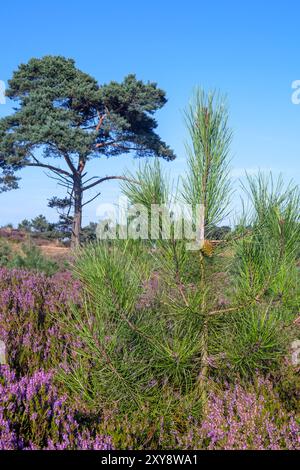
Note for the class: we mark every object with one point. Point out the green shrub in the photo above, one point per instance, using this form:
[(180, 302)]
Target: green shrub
[(253, 340), (5, 253), (155, 354), (33, 259)]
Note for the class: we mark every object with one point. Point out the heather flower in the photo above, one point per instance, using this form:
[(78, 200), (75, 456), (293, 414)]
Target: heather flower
[(236, 418), (242, 419), (33, 415), (31, 305)]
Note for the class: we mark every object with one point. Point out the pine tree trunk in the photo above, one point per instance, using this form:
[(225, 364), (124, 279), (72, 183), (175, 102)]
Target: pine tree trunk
[(204, 338), (77, 219)]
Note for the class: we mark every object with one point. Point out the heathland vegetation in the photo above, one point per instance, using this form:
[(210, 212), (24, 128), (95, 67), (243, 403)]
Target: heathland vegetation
[(143, 343)]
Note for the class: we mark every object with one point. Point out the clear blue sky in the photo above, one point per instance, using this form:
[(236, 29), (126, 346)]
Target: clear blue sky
[(249, 50)]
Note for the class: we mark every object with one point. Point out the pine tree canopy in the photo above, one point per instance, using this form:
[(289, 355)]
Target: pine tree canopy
[(63, 112)]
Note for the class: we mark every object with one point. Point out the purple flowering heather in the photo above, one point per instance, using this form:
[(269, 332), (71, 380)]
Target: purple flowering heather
[(237, 418), (30, 308), (34, 416)]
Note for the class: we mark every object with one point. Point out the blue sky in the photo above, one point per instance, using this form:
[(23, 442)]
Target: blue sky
[(248, 50)]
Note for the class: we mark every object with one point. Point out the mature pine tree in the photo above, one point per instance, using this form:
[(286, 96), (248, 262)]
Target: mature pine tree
[(64, 119)]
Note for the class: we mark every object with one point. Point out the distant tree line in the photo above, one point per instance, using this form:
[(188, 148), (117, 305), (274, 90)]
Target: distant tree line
[(60, 230)]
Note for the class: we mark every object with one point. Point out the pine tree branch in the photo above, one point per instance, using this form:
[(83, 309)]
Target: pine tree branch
[(107, 178), (91, 200), (50, 167)]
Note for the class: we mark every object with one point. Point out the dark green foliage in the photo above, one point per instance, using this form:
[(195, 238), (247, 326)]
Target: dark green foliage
[(40, 227), (130, 106), (25, 225), (59, 106), (220, 233), (5, 253), (40, 224), (287, 380), (8, 180), (88, 233), (65, 220), (61, 230)]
